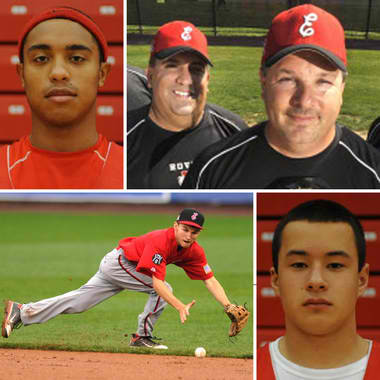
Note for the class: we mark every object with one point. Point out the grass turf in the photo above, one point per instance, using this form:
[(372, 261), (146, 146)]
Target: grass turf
[(48, 254), (234, 83)]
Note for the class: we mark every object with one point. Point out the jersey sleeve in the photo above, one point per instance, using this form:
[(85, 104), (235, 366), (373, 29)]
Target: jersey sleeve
[(197, 267), (152, 262)]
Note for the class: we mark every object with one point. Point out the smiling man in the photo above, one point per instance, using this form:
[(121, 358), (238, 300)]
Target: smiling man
[(162, 145), (63, 62), (137, 264), (319, 271), (303, 76)]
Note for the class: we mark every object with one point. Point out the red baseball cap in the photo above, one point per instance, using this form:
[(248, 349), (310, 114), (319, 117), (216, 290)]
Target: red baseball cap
[(191, 217), (65, 13), (305, 27), (178, 37)]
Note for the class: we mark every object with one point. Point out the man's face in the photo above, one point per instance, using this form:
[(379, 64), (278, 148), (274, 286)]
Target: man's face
[(318, 279), (303, 94), (61, 72), (179, 85), (185, 235)]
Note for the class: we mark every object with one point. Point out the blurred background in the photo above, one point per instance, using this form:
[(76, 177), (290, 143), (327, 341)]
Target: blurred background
[(247, 17)]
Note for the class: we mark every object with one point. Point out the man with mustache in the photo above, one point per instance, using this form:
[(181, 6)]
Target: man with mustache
[(162, 145), (303, 74), (319, 271), (63, 62)]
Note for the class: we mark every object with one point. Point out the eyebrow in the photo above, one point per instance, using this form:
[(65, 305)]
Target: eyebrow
[(72, 47), (178, 61), (296, 252), (294, 72)]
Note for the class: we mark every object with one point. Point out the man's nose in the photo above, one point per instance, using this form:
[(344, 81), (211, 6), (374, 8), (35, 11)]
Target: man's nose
[(59, 71)]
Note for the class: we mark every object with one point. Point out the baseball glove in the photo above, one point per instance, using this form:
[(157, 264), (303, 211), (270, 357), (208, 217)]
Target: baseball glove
[(239, 317)]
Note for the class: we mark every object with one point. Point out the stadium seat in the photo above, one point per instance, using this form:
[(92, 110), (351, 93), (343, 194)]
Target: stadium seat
[(107, 14), (16, 121), (11, 81), (280, 203), (265, 336), (265, 230)]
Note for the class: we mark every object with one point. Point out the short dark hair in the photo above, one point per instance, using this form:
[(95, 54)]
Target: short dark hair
[(320, 210)]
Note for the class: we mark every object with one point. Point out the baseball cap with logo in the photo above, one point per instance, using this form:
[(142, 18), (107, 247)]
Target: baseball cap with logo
[(191, 217), (179, 37), (305, 27)]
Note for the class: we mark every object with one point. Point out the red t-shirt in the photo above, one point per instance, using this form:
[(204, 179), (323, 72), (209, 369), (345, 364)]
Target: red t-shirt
[(265, 369), (156, 249), (23, 166)]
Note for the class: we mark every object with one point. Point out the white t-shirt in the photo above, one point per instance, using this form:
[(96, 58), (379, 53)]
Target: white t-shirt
[(286, 370)]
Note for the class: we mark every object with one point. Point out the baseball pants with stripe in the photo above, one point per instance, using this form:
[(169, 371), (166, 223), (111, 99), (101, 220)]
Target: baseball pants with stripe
[(115, 274)]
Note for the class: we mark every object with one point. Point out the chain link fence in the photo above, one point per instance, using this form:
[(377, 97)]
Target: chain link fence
[(357, 17)]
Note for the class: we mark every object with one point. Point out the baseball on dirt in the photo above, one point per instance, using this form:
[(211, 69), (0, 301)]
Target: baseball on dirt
[(200, 352)]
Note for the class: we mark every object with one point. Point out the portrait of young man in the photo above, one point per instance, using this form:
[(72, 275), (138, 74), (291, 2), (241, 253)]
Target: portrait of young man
[(62, 64), (319, 271)]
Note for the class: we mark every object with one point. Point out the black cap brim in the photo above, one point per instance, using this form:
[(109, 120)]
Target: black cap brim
[(170, 52), (294, 48)]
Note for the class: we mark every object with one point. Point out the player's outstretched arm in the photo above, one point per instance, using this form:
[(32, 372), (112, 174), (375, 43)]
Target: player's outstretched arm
[(214, 287), (163, 291)]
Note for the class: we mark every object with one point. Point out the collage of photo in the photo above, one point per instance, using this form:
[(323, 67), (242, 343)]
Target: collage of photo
[(238, 140)]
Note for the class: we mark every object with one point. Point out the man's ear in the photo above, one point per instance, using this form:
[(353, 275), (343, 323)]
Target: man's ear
[(20, 72), (274, 281), (104, 70), (363, 279)]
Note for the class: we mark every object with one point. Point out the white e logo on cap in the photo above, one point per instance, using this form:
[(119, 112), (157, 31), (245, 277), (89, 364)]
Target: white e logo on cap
[(186, 33), (309, 19)]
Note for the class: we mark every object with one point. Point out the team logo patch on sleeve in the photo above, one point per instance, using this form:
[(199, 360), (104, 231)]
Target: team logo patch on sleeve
[(157, 258), (207, 269)]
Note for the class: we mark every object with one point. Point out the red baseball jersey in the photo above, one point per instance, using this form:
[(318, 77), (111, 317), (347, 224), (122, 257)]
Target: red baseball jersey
[(265, 369), (22, 166), (156, 249)]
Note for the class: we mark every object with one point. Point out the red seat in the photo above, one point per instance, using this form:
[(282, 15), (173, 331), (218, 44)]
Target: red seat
[(265, 336), (11, 82), (270, 312), (15, 117), (108, 14), (269, 308), (277, 204), (265, 231)]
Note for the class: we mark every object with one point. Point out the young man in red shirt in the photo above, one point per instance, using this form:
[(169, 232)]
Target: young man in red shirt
[(319, 271), (63, 62), (139, 264)]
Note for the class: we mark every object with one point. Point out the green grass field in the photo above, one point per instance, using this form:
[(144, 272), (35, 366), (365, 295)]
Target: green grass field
[(234, 83), (47, 254)]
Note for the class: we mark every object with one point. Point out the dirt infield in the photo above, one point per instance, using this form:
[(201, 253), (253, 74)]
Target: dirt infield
[(63, 365)]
